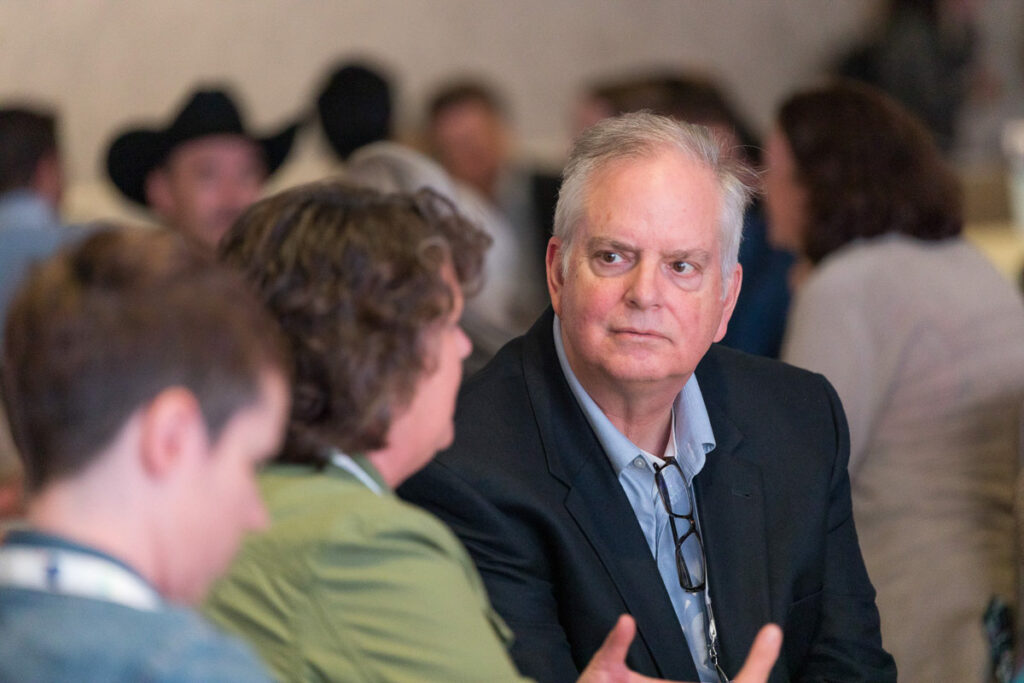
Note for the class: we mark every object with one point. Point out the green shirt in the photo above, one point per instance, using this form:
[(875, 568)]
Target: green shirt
[(353, 585)]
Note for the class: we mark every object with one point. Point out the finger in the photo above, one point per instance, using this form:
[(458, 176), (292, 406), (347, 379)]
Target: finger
[(762, 656), (616, 643)]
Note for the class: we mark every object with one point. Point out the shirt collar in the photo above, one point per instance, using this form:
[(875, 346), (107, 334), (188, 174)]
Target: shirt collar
[(360, 467), (694, 437), (31, 537)]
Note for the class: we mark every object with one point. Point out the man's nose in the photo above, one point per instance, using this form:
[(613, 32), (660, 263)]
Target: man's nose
[(238, 194), (644, 285)]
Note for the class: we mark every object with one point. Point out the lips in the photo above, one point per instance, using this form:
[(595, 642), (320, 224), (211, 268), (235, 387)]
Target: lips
[(638, 333)]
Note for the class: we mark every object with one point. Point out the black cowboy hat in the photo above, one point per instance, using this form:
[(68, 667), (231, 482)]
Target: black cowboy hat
[(354, 108), (136, 152)]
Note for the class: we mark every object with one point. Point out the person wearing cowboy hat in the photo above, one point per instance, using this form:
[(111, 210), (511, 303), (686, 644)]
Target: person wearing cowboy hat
[(198, 173)]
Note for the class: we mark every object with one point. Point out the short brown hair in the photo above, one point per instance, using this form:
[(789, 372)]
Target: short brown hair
[(461, 92), (869, 167), (102, 328), (27, 135), (354, 278)]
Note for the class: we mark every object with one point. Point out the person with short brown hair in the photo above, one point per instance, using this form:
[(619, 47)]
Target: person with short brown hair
[(31, 186), (469, 132), (144, 386)]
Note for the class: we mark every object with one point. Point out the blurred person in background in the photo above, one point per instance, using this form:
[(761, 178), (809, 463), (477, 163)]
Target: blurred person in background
[(922, 338), (925, 54), (354, 107), (145, 386), (198, 173), (31, 187), (470, 134), (496, 312)]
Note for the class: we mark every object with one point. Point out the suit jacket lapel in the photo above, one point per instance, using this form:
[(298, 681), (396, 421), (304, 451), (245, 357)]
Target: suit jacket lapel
[(731, 503), (599, 506)]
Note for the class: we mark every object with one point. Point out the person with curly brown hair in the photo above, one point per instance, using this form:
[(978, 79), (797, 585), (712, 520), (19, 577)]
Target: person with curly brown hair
[(922, 338), (350, 583)]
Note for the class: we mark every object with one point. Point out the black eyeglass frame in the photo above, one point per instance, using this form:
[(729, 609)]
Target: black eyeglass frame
[(685, 579)]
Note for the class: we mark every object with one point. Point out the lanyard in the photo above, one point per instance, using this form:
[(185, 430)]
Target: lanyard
[(710, 627), (70, 572), (346, 463), (711, 632)]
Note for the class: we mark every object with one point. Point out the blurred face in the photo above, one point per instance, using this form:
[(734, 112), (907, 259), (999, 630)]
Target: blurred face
[(426, 425), (469, 140), (222, 497), (206, 184), (641, 300), (785, 196), (48, 180)]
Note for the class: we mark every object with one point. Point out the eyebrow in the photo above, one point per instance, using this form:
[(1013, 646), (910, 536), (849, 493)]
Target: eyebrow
[(609, 243)]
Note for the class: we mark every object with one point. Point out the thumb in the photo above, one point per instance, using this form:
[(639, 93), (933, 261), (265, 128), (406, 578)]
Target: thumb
[(762, 656), (616, 643)]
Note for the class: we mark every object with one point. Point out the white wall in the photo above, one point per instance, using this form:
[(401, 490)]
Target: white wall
[(105, 63)]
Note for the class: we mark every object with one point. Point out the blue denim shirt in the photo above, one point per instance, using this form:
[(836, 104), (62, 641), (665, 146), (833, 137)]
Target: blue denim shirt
[(51, 637)]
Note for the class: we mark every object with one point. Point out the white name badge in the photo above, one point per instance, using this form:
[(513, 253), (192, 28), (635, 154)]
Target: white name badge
[(69, 572)]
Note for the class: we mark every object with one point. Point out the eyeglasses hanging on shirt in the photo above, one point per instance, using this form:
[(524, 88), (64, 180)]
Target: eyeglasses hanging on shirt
[(693, 574)]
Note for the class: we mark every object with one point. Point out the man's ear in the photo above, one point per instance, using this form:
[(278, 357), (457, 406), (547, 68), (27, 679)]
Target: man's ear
[(732, 292), (555, 272), (173, 431)]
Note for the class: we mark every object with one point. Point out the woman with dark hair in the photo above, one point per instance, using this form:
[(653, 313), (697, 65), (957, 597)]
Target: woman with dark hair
[(350, 583), (924, 342)]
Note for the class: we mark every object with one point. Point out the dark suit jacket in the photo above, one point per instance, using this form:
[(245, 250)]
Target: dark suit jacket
[(531, 493)]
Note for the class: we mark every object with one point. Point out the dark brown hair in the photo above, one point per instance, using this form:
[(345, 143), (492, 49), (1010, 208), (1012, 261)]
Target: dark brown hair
[(869, 168), (354, 278), (688, 96), (26, 137), (464, 92), (102, 328)]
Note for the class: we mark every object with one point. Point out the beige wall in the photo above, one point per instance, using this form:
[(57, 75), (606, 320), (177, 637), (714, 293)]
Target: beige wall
[(106, 62)]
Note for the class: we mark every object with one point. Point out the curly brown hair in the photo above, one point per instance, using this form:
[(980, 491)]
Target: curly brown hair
[(869, 168), (354, 278)]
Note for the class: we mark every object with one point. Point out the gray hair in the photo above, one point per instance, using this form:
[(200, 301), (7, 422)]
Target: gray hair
[(390, 167), (643, 135)]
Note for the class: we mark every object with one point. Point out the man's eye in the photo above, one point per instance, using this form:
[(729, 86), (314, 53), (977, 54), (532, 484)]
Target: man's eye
[(609, 257), (682, 267)]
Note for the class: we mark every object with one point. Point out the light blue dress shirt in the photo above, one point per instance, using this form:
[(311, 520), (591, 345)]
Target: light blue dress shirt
[(29, 232), (691, 439)]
